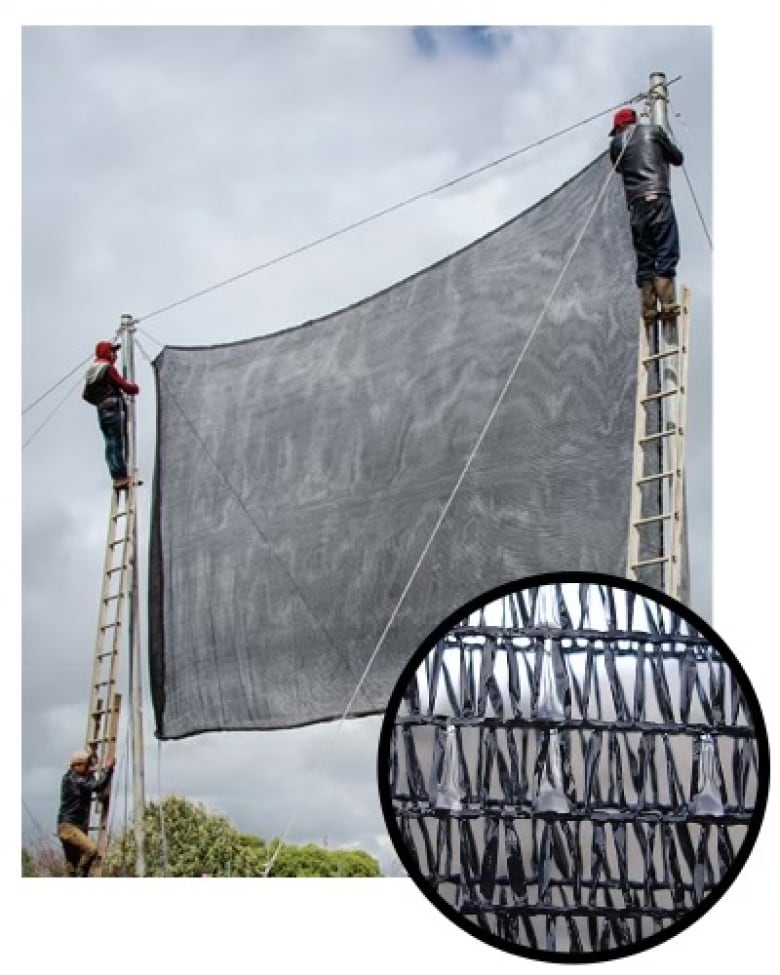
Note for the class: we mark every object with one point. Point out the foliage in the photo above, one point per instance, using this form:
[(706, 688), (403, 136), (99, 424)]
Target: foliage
[(43, 858), (29, 868), (200, 843), (315, 861)]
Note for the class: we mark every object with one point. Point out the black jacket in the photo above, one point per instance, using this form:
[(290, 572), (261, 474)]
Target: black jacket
[(644, 165), (76, 794)]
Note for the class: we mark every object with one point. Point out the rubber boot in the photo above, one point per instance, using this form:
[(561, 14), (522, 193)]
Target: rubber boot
[(665, 289), (649, 302)]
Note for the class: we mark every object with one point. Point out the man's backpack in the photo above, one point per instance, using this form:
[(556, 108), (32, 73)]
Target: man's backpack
[(97, 384)]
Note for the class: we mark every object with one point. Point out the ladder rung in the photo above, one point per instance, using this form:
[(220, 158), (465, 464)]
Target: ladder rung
[(101, 714), (111, 599), (108, 626), (655, 477), (661, 355), (654, 519), (655, 397), (659, 436), (658, 561)]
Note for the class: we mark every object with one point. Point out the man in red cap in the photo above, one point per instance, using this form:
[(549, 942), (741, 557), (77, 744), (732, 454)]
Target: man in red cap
[(642, 154), (103, 387)]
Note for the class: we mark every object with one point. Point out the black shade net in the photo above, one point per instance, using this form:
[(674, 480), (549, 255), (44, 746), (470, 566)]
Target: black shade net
[(300, 475), (573, 770)]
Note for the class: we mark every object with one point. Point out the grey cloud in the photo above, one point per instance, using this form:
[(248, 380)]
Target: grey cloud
[(160, 160)]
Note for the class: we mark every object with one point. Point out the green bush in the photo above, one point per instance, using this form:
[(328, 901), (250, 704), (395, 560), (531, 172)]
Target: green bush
[(200, 843)]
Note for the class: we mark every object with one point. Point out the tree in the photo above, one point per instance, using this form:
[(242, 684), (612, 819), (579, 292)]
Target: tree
[(356, 863), (315, 861), (197, 843)]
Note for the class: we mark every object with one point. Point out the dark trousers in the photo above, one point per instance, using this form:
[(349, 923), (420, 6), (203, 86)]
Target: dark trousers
[(113, 425), (656, 239)]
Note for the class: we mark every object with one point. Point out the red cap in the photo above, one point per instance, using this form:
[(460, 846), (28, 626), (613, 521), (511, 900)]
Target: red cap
[(105, 350), (623, 117)]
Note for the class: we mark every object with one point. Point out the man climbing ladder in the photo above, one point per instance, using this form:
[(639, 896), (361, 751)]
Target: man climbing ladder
[(79, 784), (103, 388), (642, 155)]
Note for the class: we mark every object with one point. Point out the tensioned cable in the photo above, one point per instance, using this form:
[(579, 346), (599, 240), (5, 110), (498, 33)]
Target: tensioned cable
[(455, 489), (149, 336), (163, 836), (696, 204), (51, 389), (59, 382), (247, 512), (359, 223), (126, 797), (693, 194), (392, 208), (37, 825), (117, 772), (61, 403), (56, 409)]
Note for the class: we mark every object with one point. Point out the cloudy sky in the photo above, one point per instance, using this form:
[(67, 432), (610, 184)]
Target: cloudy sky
[(158, 161)]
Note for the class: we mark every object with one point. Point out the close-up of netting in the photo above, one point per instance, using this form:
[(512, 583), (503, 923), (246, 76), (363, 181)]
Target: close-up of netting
[(573, 768)]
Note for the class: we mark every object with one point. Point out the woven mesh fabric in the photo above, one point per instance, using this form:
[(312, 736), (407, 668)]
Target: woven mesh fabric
[(573, 771), (299, 475)]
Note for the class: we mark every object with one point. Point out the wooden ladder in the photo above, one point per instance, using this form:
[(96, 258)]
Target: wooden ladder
[(656, 530), (104, 700)]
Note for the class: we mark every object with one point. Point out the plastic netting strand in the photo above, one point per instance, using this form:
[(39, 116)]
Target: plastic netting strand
[(575, 773)]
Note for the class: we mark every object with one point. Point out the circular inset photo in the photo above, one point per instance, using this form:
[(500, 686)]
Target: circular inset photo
[(573, 767)]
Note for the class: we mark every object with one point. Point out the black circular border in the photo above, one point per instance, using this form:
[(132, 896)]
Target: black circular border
[(616, 582)]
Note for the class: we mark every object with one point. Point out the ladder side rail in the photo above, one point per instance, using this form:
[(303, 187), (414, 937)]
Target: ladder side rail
[(105, 702), (102, 619), (656, 520), (124, 589), (668, 372), (638, 466), (678, 499), (104, 804), (101, 805), (109, 627)]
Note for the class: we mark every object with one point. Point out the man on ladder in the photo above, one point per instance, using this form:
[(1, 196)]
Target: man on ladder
[(642, 154), (78, 786), (103, 388)]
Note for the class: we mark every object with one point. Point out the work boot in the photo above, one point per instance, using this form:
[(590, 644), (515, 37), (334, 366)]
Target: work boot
[(649, 302), (86, 866), (665, 289)]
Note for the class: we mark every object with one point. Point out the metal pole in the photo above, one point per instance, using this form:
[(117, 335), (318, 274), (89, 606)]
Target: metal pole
[(136, 686), (658, 98)]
